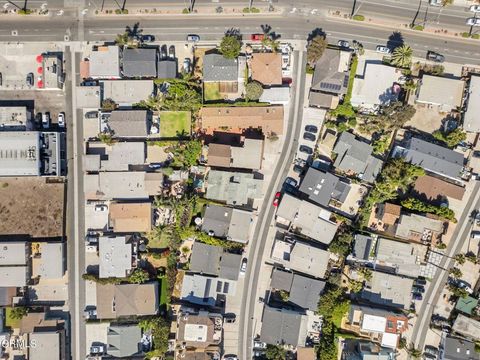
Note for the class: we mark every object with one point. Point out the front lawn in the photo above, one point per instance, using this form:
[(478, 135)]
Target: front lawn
[(211, 91), (9, 321), (175, 123)]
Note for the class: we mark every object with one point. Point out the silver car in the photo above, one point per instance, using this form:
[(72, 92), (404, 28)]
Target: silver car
[(383, 49)]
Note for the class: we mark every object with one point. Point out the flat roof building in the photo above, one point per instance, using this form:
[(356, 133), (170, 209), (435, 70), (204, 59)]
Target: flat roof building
[(446, 93), (14, 118), (20, 153), (116, 256), (247, 156), (388, 290), (468, 327), (104, 63), (126, 92), (229, 223), (50, 264), (119, 156), (280, 326), (131, 217), (471, 122)]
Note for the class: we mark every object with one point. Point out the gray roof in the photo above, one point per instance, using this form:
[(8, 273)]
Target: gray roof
[(230, 266), (327, 76), (115, 157), (47, 346), (233, 188), (388, 290), (51, 265), (116, 185), (139, 62), (129, 123), (126, 92), (459, 349), (205, 259), (355, 156), (321, 187), (362, 247), (13, 253), (305, 292), (217, 219), (471, 121), (281, 280), (468, 327), (217, 68), (105, 62), (13, 276), (204, 290), (443, 91), (123, 340), (281, 326), (433, 158), (405, 258), (167, 69), (240, 225), (115, 254), (19, 153)]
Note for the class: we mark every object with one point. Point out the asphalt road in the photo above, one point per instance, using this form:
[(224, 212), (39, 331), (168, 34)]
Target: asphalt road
[(460, 235), (250, 294)]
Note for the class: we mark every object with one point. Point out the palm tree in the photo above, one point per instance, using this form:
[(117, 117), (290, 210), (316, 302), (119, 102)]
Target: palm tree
[(402, 56)]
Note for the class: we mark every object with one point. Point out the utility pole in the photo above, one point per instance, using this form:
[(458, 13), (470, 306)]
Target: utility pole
[(412, 24), (18, 7)]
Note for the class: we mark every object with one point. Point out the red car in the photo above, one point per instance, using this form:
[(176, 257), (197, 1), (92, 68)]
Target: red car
[(257, 37), (276, 201)]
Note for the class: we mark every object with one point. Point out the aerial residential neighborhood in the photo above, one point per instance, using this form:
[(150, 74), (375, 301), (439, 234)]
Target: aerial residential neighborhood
[(240, 180)]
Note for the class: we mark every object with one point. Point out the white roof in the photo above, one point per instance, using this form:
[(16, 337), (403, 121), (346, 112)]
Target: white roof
[(116, 185), (196, 332), (127, 92), (51, 264), (13, 253), (105, 62), (47, 346), (471, 120), (390, 340), (374, 323), (442, 91), (275, 95), (115, 256), (20, 153), (13, 276)]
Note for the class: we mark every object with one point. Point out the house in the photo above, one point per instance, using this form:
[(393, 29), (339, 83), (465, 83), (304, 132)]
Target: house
[(281, 326), (116, 254), (421, 229), (471, 123), (227, 223), (119, 156), (15, 264), (303, 291), (139, 62), (49, 345), (212, 260), (15, 118), (167, 69), (266, 68), (432, 158), (276, 95), (300, 257), (466, 305), (233, 188), (388, 290), (446, 93), (247, 156), (362, 248), (125, 93), (354, 349), (206, 290), (131, 217), (381, 326), (199, 331), (48, 261), (104, 63), (459, 349), (377, 86), (268, 119), (119, 300), (124, 340), (307, 219), (129, 123), (354, 157), (434, 190), (216, 68), (322, 188), (330, 79), (467, 327), (385, 217)]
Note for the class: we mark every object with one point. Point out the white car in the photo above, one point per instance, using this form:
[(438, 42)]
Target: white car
[(473, 21), (343, 44), (243, 268), (61, 119), (100, 208), (382, 49), (475, 8), (435, 2)]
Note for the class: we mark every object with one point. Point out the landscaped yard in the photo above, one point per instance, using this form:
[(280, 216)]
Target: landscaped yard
[(163, 290), (175, 123), (9, 322), (211, 91)]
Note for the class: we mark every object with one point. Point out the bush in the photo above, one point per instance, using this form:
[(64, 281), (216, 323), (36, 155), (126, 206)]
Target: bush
[(309, 70), (246, 10), (185, 11), (465, 35), (253, 90), (476, 36), (358, 17), (420, 206), (254, 10), (418, 28)]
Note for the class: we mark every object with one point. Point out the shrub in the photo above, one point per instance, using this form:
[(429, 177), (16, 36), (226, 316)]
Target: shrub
[(476, 36), (418, 27), (246, 10), (465, 34), (185, 11), (358, 17)]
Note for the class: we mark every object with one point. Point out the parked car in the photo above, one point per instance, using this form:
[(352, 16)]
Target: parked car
[(230, 357), (148, 38), (61, 119), (46, 120), (306, 149), (291, 181), (101, 208), (90, 313), (276, 200), (343, 44), (427, 356), (89, 83), (473, 21), (230, 317), (163, 52), (417, 296), (435, 2), (433, 56), (420, 281), (186, 65), (243, 267), (193, 38), (311, 128), (419, 289), (475, 8), (259, 345), (91, 114), (298, 169), (432, 350), (97, 349), (309, 136), (30, 79), (257, 37), (383, 49), (171, 52)]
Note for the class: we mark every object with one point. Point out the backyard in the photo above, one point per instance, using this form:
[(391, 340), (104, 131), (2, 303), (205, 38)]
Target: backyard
[(211, 91), (175, 123)]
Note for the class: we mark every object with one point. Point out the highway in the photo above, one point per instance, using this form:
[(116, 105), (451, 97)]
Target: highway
[(460, 235)]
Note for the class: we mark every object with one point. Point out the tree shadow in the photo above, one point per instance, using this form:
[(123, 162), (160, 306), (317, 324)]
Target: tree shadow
[(316, 32), (134, 31), (266, 29), (233, 32), (395, 40)]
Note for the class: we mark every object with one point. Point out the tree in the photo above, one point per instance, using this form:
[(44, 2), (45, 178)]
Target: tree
[(182, 96), (380, 145), (284, 295), (109, 105), (460, 258), (333, 305), (253, 90), (154, 102), (402, 56), (414, 352), (18, 312), (355, 286), (456, 273), (451, 139), (327, 347), (341, 243), (275, 352), (457, 292), (230, 46), (106, 138), (420, 206), (138, 276), (392, 117), (366, 273), (192, 152), (160, 329), (315, 49)]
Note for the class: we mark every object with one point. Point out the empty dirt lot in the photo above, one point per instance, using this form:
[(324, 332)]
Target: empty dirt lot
[(31, 206)]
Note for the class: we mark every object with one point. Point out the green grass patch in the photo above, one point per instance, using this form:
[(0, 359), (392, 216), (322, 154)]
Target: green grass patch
[(476, 36), (358, 17), (175, 123), (465, 34), (211, 91), (163, 291), (353, 71), (9, 322), (418, 28), (238, 103)]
